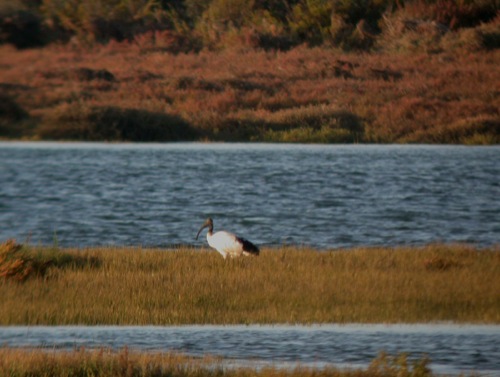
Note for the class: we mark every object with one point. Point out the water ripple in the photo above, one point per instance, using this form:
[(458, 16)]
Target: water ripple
[(322, 196), (452, 349)]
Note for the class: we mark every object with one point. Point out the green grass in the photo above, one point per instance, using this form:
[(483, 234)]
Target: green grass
[(137, 286)]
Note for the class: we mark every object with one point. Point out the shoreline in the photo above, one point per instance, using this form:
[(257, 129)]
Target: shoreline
[(360, 326), (279, 347)]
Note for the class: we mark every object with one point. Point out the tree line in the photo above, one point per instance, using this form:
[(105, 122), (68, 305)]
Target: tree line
[(190, 25)]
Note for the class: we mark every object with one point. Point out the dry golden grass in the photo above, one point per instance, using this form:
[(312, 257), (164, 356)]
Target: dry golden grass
[(19, 263), (252, 95), (103, 363), (284, 285)]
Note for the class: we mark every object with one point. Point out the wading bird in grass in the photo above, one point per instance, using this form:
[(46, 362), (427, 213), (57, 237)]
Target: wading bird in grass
[(227, 243)]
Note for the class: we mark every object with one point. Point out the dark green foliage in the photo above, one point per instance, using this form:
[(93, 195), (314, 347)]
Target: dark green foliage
[(10, 110), (317, 127), (20, 28), (87, 74), (275, 24), (14, 120), (79, 122), (490, 37), (103, 20), (453, 13), (311, 19)]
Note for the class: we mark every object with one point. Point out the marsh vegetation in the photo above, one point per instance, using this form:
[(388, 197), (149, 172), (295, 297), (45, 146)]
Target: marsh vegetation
[(230, 70), (137, 286), (306, 94), (104, 363)]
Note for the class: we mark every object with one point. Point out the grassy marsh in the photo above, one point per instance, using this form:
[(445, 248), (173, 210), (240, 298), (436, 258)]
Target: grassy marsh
[(138, 286), (103, 362)]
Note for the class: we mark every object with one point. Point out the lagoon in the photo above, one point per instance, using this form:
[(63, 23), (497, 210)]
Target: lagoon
[(324, 196)]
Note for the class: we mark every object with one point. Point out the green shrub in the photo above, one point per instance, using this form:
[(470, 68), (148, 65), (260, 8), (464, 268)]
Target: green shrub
[(453, 14), (314, 124), (102, 20), (79, 121), (227, 13), (228, 23), (310, 20), (194, 9), (434, 26), (482, 37), (10, 111), (14, 120), (345, 23), (481, 130), (490, 34), (323, 135), (274, 24)]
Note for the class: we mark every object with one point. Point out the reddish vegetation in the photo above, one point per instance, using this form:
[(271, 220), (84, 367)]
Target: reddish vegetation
[(125, 91)]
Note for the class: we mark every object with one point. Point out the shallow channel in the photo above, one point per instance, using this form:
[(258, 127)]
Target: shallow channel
[(452, 349)]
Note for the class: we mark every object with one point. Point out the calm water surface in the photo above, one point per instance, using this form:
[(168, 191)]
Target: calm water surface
[(321, 196), (451, 348)]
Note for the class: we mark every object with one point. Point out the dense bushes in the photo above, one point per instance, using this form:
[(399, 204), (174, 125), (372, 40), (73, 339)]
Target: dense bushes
[(79, 121), (14, 120), (305, 94), (215, 24), (21, 28), (168, 70)]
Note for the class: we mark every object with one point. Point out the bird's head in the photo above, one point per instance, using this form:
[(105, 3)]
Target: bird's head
[(207, 224)]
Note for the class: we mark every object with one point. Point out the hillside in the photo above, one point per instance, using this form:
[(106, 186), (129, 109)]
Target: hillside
[(279, 71)]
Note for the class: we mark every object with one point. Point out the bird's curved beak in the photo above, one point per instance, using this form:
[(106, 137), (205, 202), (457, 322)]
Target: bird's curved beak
[(205, 225)]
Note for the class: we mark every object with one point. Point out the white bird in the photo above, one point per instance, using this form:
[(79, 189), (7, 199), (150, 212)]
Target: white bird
[(227, 243)]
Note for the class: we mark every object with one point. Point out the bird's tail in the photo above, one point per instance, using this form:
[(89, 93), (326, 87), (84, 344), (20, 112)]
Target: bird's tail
[(248, 247)]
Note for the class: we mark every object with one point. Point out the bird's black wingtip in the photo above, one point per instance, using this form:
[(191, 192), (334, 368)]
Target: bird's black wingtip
[(248, 247)]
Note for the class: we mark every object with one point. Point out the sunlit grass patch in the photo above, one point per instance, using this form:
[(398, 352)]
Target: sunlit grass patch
[(101, 362), (137, 286)]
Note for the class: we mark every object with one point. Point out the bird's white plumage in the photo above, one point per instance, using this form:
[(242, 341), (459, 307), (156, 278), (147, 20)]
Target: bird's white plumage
[(225, 243)]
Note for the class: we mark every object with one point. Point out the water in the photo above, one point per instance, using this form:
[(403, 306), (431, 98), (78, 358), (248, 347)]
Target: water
[(451, 348), (322, 196)]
